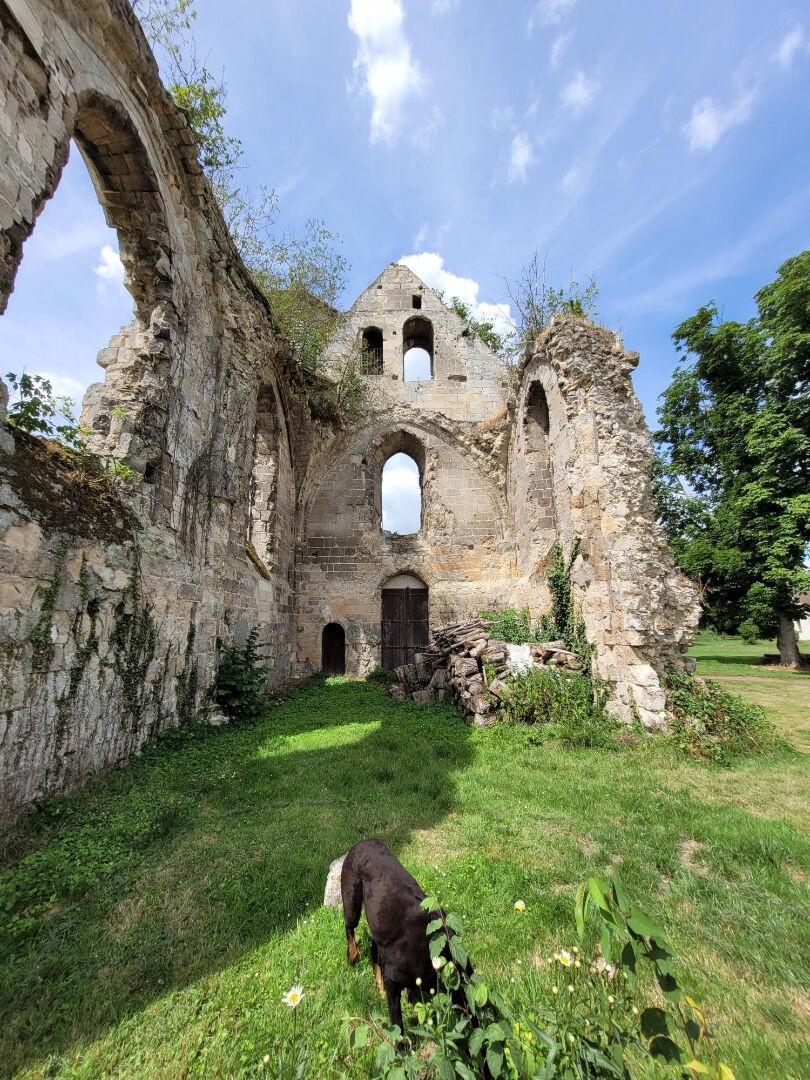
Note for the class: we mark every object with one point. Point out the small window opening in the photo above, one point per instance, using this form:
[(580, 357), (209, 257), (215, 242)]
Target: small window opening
[(401, 495), (416, 301), (417, 349), (371, 362)]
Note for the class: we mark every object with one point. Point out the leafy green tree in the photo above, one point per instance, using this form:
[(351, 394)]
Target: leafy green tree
[(735, 427), (481, 328)]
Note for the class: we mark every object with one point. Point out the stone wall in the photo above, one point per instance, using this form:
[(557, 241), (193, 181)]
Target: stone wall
[(639, 611), (454, 426), (178, 402)]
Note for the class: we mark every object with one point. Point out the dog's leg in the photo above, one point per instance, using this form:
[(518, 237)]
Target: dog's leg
[(351, 891), (375, 963), (393, 992)]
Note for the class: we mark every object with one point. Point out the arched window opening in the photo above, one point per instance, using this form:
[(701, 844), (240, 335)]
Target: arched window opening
[(371, 361), (401, 495), (405, 628), (417, 349), (536, 415), (333, 649), (70, 295), (537, 458)]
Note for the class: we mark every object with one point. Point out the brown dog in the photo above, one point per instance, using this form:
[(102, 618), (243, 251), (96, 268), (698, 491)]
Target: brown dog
[(372, 875)]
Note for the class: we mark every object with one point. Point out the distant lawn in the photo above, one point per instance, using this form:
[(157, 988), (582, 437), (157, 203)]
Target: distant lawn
[(718, 654), (739, 667), (154, 919)]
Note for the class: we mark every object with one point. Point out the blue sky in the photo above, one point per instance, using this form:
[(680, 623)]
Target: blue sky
[(663, 148)]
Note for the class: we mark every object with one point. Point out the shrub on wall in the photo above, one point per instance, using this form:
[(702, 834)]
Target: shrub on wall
[(239, 687)]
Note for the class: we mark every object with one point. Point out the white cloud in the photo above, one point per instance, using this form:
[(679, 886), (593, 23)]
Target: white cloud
[(549, 12), (578, 94), (791, 44), (709, 121), (383, 57), (401, 495), (558, 47), (110, 286), (429, 266), (521, 157), (574, 180)]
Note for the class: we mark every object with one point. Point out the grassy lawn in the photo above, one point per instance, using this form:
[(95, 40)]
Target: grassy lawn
[(152, 921)]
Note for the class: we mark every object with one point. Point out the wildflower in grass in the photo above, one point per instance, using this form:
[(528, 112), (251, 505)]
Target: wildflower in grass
[(293, 997), (570, 988), (554, 990), (438, 963), (418, 980), (611, 999), (565, 958), (519, 905)]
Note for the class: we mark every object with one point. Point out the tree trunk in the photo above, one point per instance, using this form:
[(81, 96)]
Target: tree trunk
[(789, 655)]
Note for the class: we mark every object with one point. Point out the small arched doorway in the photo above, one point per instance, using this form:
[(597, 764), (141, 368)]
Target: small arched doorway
[(405, 628), (333, 649)]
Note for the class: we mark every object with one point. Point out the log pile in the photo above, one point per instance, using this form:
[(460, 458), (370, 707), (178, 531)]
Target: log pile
[(463, 664)]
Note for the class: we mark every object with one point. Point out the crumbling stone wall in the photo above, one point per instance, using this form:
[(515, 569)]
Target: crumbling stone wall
[(453, 425), (178, 402), (639, 611)]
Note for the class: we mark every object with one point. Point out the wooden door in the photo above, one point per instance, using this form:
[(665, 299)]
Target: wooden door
[(405, 628), (333, 649)]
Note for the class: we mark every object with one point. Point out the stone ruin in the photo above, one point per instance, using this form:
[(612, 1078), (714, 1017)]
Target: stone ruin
[(246, 508), (462, 663)]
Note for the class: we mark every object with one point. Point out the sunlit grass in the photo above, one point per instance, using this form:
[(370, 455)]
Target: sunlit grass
[(171, 903)]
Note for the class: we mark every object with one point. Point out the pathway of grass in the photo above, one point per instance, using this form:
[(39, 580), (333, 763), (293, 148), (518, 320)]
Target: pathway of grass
[(154, 919)]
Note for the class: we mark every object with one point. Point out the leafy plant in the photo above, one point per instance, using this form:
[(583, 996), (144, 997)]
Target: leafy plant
[(381, 676), (713, 724), (569, 624), (241, 679), (563, 705), (40, 412), (510, 624), (537, 302), (586, 1023)]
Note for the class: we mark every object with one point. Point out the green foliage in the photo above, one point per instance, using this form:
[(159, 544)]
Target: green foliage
[(510, 624), (563, 705), (481, 328), (569, 624), (735, 439), (713, 724), (537, 302), (241, 680), (380, 676), (39, 412), (585, 1024)]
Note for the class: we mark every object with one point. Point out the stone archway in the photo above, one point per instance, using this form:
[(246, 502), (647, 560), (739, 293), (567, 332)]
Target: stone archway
[(405, 627)]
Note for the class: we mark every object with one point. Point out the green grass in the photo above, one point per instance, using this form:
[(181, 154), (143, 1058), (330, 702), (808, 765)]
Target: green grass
[(161, 912)]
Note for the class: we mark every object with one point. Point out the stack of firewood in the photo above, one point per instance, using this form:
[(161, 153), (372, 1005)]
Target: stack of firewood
[(463, 664)]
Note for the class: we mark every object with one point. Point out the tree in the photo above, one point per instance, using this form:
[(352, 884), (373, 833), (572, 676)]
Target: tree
[(536, 301), (302, 274), (735, 427)]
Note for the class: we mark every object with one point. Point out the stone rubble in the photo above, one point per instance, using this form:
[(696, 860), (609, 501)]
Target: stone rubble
[(463, 664)]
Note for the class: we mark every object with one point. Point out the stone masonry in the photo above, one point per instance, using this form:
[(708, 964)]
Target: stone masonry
[(244, 510)]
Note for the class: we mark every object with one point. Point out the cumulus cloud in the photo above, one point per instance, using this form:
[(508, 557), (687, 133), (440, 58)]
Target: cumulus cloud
[(110, 273), (710, 121), (578, 94), (549, 12), (429, 266), (791, 44), (384, 63), (521, 157)]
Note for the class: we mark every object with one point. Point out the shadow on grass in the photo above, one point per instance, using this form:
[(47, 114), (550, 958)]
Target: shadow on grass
[(180, 863)]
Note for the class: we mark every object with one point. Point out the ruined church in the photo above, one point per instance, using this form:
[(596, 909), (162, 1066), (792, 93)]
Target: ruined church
[(246, 507)]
